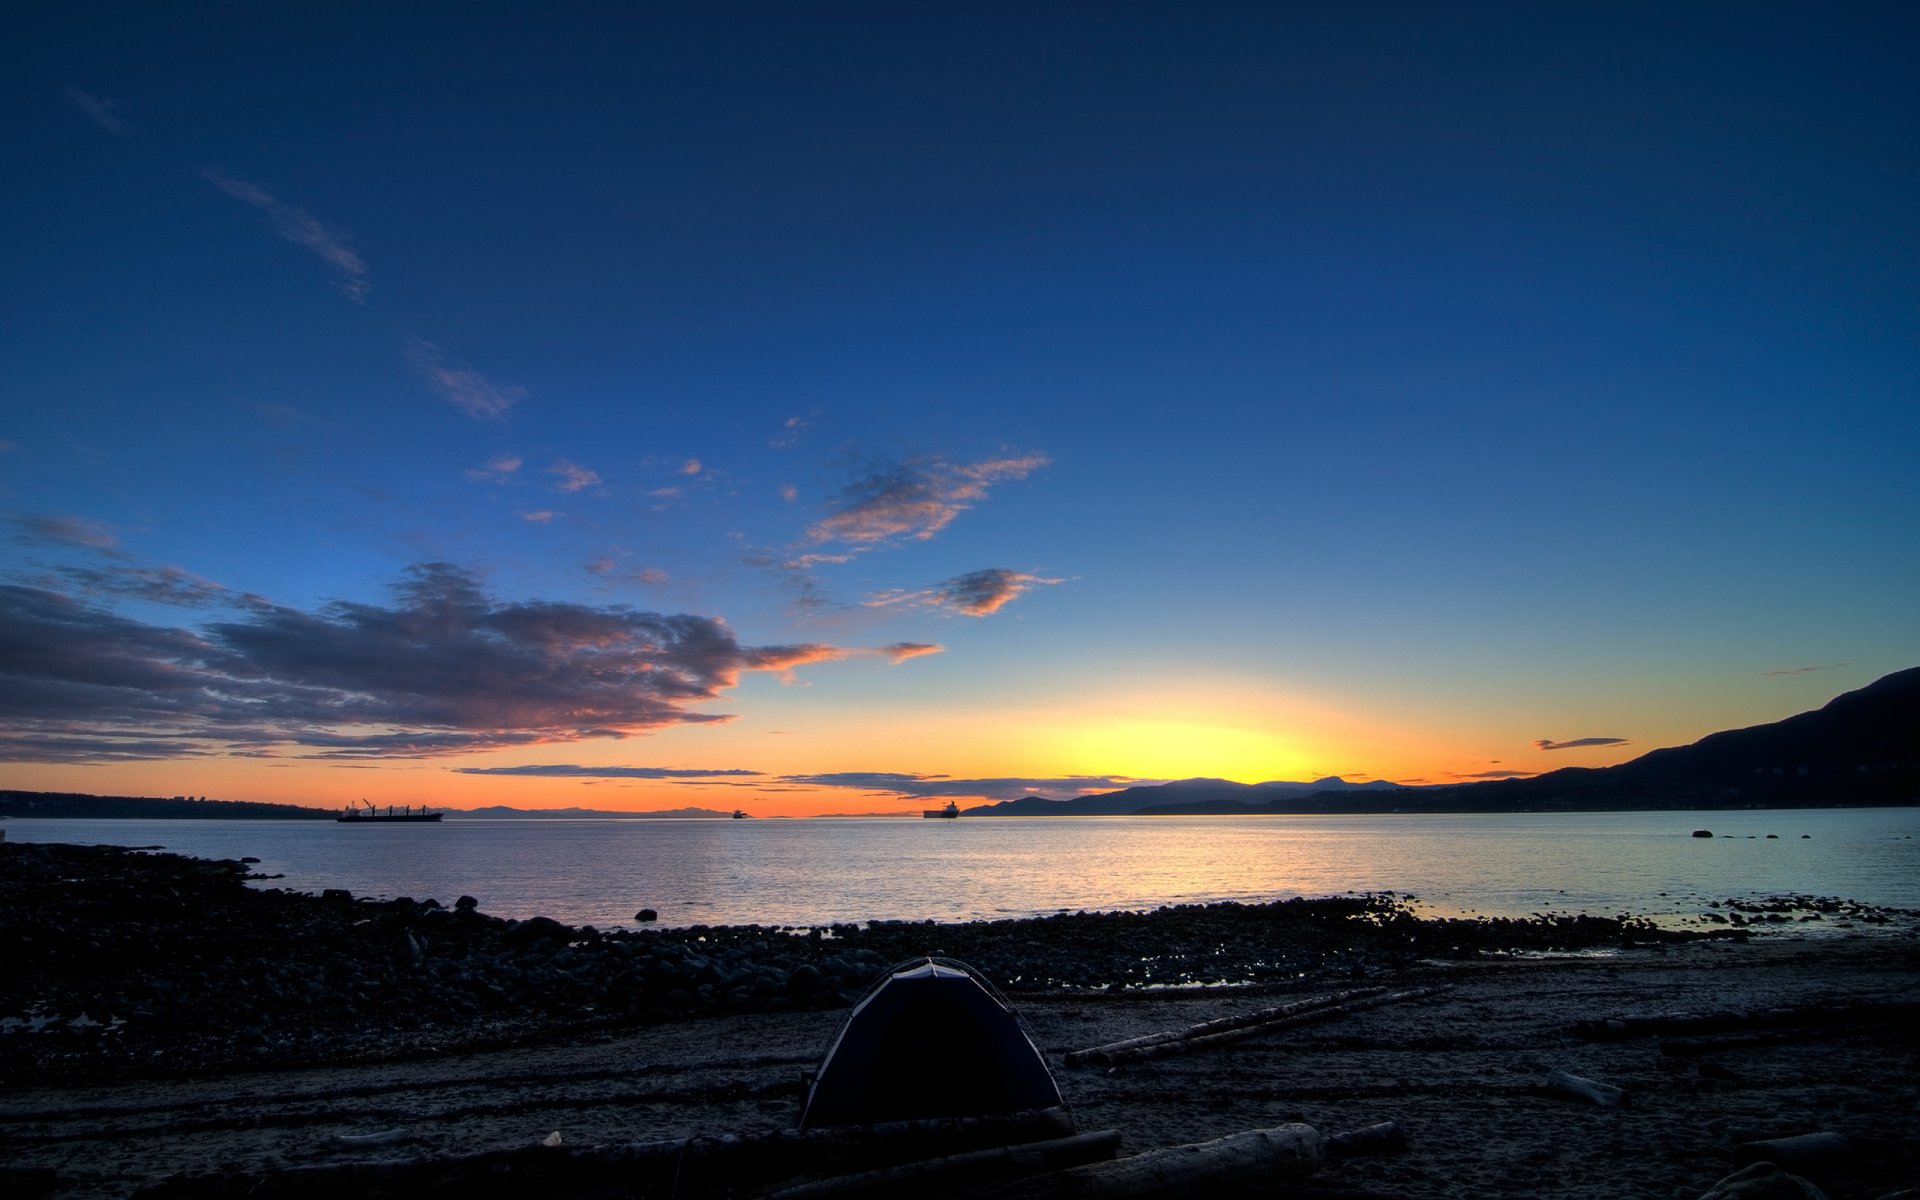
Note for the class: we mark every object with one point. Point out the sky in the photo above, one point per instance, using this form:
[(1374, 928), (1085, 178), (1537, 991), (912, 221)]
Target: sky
[(828, 408)]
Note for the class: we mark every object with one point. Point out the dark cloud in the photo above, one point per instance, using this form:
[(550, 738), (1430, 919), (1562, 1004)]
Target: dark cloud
[(976, 594), (568, 771), (926, 786), (1577, 743), (1803, 670), (1491, 775), (442, 670)]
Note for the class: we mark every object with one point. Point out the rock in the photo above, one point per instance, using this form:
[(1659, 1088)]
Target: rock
[(645, 915), (1703, 833), (340, 894), (1763, 1181), (465, 904)]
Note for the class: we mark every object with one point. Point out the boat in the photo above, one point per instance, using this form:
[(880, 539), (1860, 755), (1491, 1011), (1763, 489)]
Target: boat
[(951, 810), (374, 816), (930, 1039), (739, 814)]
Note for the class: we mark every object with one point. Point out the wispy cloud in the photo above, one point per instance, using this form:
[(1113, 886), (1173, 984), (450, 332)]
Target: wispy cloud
[(611, 568), (900, 652), (573, 477), (914, 499), (1577, 743), (975, 594), (302, 228), (61, 530), (907, 785), (569, 771), (691, 467), (792, 430), (1803, 670), (497, 470), (156, 585), (109, 115), (538, 516), (1501, 774), (444, 669), (463, 387)]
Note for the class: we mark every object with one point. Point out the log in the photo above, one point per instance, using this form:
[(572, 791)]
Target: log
[(1807, 1150), (1384, 1138), (1098, 1055), (1208, 1040), (1604, 1094), (974, 1170), (1258, 1156)]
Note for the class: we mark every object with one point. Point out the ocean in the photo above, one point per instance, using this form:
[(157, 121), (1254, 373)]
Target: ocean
[(816, 872)]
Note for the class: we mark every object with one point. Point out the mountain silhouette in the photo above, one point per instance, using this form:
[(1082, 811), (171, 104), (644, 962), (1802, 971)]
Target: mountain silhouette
[(1861, 748)]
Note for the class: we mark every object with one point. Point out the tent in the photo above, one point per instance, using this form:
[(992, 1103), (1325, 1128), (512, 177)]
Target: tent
[(929, 1039)]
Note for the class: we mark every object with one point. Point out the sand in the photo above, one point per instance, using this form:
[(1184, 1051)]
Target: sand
[(1462, 1073)]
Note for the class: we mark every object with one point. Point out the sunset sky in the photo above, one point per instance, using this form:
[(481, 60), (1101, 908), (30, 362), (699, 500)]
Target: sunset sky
[(822, 408)]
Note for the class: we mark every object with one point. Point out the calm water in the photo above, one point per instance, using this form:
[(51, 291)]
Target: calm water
[(814, 872)]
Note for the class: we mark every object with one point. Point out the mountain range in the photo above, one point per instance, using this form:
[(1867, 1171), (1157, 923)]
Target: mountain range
[(1860, 749)]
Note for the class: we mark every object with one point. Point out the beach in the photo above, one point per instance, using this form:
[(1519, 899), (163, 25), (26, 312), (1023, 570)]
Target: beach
[(455, 1034)]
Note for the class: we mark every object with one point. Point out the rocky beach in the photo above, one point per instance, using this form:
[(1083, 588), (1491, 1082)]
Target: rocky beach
[(167, 1017)]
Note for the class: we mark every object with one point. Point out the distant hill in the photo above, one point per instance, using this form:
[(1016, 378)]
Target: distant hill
[(1185, 796), (1861, 749), (72, 805)]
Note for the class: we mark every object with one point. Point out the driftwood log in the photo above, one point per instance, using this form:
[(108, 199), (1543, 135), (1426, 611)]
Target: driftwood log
[(1604, 1094), (731, 1163), (1098, 1055), (1258, 1156), (1186, 1040), (974, 1171), (1808, 1150)]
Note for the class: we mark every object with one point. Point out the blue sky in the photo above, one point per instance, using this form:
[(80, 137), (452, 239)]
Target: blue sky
[(1255, 391)]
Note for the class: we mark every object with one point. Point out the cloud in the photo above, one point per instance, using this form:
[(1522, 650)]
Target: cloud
[(498, 469), (1492, 775), (914, 499), (900, 652), (1803, 670), (60, 530), (791, 431), (976, 594), (466, 389), (109, 115), (573, 476), (927, 786), (1577, 743), (690, 467), (443, 669), (789, 493), (539, 516), (302, 228), (608, 567), (156, 585), (563, 771)]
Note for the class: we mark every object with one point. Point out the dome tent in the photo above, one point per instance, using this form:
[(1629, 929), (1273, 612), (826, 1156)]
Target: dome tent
[(929, 1039)]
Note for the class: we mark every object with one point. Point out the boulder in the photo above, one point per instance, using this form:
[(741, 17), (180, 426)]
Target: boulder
[(1763, 1181)]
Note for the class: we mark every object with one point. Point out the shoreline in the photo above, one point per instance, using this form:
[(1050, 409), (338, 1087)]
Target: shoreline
[(264, 1027)]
